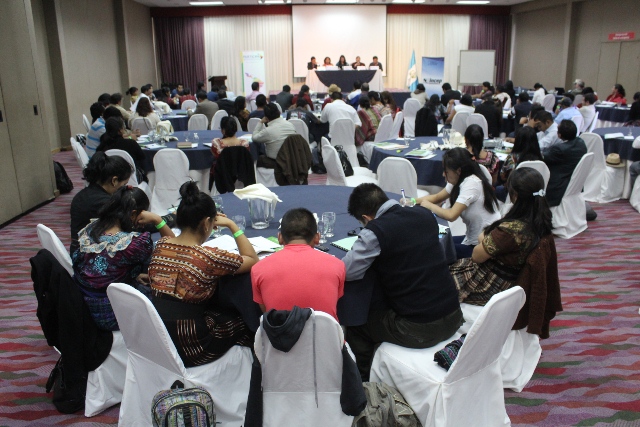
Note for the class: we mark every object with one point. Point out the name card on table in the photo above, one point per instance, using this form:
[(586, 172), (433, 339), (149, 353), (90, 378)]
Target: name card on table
[(613, 135)]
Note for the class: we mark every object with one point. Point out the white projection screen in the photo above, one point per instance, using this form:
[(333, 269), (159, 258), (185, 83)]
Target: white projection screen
[(334, 30)]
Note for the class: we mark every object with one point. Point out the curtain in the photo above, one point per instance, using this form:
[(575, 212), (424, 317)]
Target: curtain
[(492, 32), (180, 49), (226, 37), (429, 35)]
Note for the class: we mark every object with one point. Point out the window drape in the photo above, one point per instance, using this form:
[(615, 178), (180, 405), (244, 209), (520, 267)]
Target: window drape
[(492, 32)]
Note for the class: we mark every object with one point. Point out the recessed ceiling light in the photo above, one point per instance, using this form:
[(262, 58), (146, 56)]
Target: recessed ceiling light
[(407, 1), (273, 2), (473, 2), (206, 3), (343, 1)]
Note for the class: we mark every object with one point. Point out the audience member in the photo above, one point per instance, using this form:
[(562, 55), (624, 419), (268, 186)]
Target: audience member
[(146, 91), (522, 108), (588, 110), (164, 102), (104, 99), (470, 196), (448, 94), (200, 86), (276, 280), (299, 110), (205, 107), (338, 109), (525, 149), (110, 251), (539, 94), (501, 95), (177, 91), (617, 95), (566, 110), (241, 112), (332, 88), (376, 103), (420, 94), (186, 96), (634, 112), (400, 250), (285, 98), (547, 129), (255, 86), (486, 89), (96, 130), (261, 101), (474, 140), (465, 105), (229, 128), (426, 119), (492, 113), (184, 277), (376, 63), (313, 64), (562, 160), (390, 106), (114, 138), (133, 93), (357, 63), (504, 246), (370, 119), (272, 131), (438, 109), (342, 62), (116, 101), (224, 103), (357, 90), (212, 95), (145, 110), (304, 93), (578, 87), (508, 88)]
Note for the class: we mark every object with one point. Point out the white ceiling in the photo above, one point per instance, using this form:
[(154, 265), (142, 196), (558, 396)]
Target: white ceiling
[(185, 3)]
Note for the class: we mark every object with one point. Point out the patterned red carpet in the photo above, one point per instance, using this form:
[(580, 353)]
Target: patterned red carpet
[(589, 373)]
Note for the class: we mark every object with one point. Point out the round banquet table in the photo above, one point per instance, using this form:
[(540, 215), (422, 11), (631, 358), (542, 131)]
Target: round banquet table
[(178, 118), (429, 171), (609, 116), (622, 146), (353, 307)]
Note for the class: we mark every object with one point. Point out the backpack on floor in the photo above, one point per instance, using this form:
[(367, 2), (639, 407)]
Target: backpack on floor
[(63, 182), (385, 408), (183, 407)]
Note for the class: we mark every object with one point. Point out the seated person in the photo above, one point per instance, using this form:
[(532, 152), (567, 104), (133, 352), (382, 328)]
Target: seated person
[(133, 93), (114, 138), (469, 195), (206, 107), (566, 110), (186, 96), (578, 87), (312, 64), (342, 62), (111, 252), (474, 139), (617, 95), (526, 121), (525, 149), (426, 119), (375, 63), (276, 280), (241, 112), (492, 113), (284, 98), (116, 101), (357, 63), (400, 247), (522, 108), (184, 277), (539, 94), (370, 119), (338, 109), (224, 103), (258, 113), (255, 86), (486, 89), (327, 62), (501, 96), (145, 110), (104, 175), (547, 129), (420, 94), (304, 93), (357, 90), (588, 110), (229, 128), (562, 160), (271, 131), (178, 91), (97, 128), (634, 111), (465, 105), (438, 109), (448, 94), (504, 246), (389, 103), (212, 95), (301, 109)]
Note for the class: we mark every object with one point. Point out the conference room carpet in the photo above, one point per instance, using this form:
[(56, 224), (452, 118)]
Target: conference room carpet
[(589, 373)]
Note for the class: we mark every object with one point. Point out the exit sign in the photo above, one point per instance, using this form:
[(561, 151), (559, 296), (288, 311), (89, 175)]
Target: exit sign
[(616, 37)]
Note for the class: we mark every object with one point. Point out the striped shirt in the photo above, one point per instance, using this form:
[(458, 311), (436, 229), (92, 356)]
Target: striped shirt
[(93, 137)]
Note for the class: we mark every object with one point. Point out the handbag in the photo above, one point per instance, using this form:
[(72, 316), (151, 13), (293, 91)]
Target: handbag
[(67, 398), (344, 161)]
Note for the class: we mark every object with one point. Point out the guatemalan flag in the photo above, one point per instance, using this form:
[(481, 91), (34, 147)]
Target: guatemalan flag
[(412, 73)]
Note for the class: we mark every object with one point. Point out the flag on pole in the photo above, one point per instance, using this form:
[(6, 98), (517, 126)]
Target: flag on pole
[(412, 73)]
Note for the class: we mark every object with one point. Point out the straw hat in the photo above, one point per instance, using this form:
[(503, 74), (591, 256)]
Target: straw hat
[(614, 161), (334, 88)]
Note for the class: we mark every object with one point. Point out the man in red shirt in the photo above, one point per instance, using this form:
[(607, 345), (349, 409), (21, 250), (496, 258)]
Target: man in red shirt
[(298, 274)]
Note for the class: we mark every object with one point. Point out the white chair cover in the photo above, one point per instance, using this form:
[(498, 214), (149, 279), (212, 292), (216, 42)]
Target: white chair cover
[(635, 196), (538, 165), (410, 109), (578, 100), (266, 177), (592, 126), (520, 353), (81, 155), (335, 174), (106, 384), (343, 133), (612, 184), (579, 122), (143, 124), (569, 217), (470, 393), (288, 389), (50, 241), (238, 125), (215, 121), (86, 123), (459, 122), (384, 129), (396, 173), (189, 104), (252, 123), (477, 119), (154, 364), (252, 105), (397, 124), (133, 181), (198, 122), (593, 185), (172, 170), (548, 101), (507, 104), (301, 128)]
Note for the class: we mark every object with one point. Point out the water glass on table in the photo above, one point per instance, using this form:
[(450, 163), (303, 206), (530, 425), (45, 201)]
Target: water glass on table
[(322, 230), (218, 201), (240, 221), (329, 218)]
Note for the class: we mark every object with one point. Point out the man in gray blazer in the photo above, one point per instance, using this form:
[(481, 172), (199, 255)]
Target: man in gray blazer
[(204, 106)]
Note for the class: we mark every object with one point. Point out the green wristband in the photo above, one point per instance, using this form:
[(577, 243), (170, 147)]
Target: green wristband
[(162, 224), (238, 234), (413, 200)]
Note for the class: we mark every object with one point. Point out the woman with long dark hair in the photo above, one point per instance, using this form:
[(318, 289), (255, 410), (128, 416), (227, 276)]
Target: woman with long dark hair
[(241, 112), (504, 246), (184, 277), (474, 139), (469, 195), (110, 251), (525, 149), (145, 109), (114, 138)]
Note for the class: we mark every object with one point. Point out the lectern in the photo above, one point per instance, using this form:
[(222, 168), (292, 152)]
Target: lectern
[(217, 80)]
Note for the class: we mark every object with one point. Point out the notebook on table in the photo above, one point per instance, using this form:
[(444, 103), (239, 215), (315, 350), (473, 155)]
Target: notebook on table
[(345, 244)]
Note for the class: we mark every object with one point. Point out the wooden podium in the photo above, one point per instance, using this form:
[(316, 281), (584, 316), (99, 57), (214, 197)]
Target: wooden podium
[(217, 80)]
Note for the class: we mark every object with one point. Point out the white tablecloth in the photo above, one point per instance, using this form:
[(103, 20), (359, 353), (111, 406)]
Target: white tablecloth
[(316, 85)]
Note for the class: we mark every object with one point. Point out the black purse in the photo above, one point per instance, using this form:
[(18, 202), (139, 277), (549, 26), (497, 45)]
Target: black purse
[(67, 398), (344, 161)]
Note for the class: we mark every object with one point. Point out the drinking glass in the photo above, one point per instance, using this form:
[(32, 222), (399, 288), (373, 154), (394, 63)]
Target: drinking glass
[(407, 202), (240, 221), (218, 201), (630, 131), (445, 136), (322, 230), (329, 218), (187, 137)]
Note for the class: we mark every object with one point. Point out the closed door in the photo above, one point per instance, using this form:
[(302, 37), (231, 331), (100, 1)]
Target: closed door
[(9, 196), (607, 68), (628, 70)]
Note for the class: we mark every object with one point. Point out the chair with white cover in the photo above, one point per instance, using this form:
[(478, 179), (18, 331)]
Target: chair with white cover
[(548, 101), (570, 216), (142, 124), (593, 184), (410, 109), (397, 124), (579, 122), (459, 122), (215, 121), (301, 128), (238, 125), (335, 173), (189, 104), (343, 133), (133, 180), (279, 107), (266, 177), (80, 153), (592, 126), (477, 119), (538, 165), (172, 170), (384, 129), (252, 124), (471, 392), (396, 173), (634, 199), (577, 100), (154, 364), (198, 122), (292, 380), (613, 182), (86, 123), (50, 241), (252, 105)]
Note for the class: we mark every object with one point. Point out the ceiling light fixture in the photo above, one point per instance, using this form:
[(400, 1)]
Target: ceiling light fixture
[(343, 1), (473, 2), (206, 3), (407, 1), (273, 2)]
